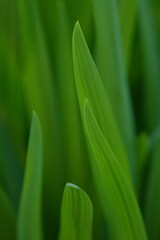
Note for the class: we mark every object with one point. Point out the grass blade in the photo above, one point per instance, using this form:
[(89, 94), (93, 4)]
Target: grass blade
[(128, 11), (73, 146), (37, 74), (89, 85), (110, 63), (29, 216), (76, 214), (117, 197)]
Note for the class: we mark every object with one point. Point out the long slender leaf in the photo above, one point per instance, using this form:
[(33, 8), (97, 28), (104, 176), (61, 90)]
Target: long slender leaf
[(110, 63), (38, 79), (117, 197), (89, 85), (76, 214), (73, 140), (29, 216)]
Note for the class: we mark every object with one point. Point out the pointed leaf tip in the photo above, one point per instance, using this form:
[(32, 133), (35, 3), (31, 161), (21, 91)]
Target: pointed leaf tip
[(29, 215), (76, 214)]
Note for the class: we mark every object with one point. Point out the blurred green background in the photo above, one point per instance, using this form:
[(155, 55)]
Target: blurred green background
[(36, 73)]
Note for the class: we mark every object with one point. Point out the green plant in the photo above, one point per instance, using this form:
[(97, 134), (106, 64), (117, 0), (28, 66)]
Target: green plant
[(94, 103)]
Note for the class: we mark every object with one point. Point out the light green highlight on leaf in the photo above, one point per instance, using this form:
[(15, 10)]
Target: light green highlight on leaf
[(76, 214)]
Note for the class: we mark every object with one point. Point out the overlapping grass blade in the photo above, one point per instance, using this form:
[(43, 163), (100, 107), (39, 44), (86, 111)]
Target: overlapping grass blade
[(110, 63), (117, 197), (152, 199), (29, 216), (151, 70), (76, 214), (89, 85), (7, 218)]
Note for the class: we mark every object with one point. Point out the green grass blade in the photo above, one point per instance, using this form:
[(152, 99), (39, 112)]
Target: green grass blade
[(151, 70), (76, 214), (37, 75), (128, 11), (117, 197), (110, 63), (89, 85), (29, 216), (7, 218), (73, 140), (152, 200)]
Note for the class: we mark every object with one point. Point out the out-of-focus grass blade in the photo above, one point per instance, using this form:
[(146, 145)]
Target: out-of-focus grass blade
[(37, 75), (152, 203), (151, 69), (89, 85), (143, 146), (128, 11), (29, 216), (76, 214), (11, 168), (117, 197), (73, 138), (110, 63), (10, 86), (7, 218)]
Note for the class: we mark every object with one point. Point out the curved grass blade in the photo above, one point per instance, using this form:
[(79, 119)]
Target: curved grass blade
[(115, 192), (152, 204), (110, 63), (76, 214), (7, 218), (29, 216), (89, 85)]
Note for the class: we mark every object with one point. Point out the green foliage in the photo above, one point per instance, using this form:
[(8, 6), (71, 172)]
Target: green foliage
[(29, 214), (76, 214), (89, 85), (95, 88), (118, 197)]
